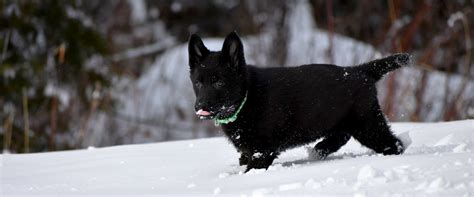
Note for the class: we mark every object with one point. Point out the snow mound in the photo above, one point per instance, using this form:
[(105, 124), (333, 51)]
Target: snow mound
[(438, 162), (405, 138)]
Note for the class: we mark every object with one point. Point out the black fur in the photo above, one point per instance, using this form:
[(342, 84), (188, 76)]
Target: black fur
[(289, 107)]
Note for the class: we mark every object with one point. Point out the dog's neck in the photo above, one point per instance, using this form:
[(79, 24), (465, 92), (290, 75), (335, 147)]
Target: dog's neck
[(232, 118)]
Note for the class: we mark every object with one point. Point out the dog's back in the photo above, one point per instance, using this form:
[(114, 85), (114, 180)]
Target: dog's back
[(301, 104)]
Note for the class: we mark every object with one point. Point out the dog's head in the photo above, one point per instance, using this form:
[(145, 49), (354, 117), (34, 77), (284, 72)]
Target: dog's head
[(218, 77)]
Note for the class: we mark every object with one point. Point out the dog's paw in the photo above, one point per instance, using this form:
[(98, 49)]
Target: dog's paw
[(395, 149), (257, 165)]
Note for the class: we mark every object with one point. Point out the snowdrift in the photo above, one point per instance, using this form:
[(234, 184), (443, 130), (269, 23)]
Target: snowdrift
[(439, 161)]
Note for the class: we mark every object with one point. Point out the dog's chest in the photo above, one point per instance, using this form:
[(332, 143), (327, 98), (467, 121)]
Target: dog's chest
[(240, 138), (235, 135), (249, 140)]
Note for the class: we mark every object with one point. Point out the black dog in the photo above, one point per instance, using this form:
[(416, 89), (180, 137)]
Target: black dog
[(264, 111)]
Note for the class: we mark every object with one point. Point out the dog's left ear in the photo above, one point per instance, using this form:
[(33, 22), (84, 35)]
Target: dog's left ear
[(196, 50), (233, 50)]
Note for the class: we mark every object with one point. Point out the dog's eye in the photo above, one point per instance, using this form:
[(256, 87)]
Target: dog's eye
[(218, 84), (198, 84)]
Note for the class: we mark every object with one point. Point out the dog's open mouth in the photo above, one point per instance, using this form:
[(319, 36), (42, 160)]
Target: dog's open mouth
[(223, 113), (204, 115)]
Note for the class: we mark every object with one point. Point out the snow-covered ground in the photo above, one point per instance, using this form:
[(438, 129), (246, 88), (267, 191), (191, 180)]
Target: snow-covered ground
[(439, 161)]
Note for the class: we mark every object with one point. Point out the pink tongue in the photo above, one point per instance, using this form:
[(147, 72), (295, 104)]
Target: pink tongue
[(203, 113)]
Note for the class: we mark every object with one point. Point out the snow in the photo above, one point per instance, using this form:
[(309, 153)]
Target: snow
[(439, 161), (79, 15), (139, 11), (176, 7), (144, 50), (61, 92), (308, 44), (455, 17)]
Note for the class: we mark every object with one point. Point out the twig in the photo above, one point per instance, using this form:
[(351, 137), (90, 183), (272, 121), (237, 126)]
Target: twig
[(450, 112), (7, 126), (142, 50), (330, 21), (61, 53), (5, 46), (96, 94), (53, 122), (26, 121), (393, 18), (389, 99), (407, 38)]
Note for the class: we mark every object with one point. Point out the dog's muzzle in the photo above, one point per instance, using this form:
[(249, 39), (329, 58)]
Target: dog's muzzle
[(204, 114)]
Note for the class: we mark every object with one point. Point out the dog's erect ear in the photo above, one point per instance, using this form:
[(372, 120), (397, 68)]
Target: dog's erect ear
[(233, 50), (196, 50)]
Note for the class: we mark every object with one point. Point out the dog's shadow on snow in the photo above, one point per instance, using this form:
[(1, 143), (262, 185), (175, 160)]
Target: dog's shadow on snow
[(310, 161)]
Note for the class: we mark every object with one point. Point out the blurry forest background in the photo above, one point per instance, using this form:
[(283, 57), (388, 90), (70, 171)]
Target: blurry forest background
[(81, 73)]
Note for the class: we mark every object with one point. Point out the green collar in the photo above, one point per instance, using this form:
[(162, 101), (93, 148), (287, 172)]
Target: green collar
[(232, 118)]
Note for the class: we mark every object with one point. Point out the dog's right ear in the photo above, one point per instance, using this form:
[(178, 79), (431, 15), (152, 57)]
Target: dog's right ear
[(196, 50), (233, 50)]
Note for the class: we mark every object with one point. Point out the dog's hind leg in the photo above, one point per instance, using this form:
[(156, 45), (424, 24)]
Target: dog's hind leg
[(374, 132), (330, 144)]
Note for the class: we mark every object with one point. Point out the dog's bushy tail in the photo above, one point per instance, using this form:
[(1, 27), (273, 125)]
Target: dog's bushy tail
[(378, 68)]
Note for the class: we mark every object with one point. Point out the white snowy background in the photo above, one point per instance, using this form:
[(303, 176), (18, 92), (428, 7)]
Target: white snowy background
[(439, 162)]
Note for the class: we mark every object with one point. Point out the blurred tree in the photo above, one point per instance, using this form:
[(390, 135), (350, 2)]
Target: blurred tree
[(51, 50), (415, 27), (57, 58)]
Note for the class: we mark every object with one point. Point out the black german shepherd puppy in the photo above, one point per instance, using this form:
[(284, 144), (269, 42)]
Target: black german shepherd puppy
[(264, 111)]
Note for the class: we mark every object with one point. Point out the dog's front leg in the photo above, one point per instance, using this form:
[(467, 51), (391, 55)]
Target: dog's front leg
[(244, 159), (261, 160)]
